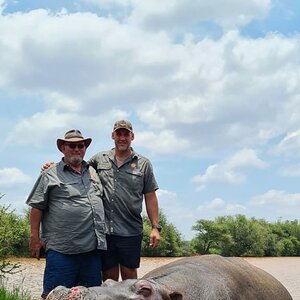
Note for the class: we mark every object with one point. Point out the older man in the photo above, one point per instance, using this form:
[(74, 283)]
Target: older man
[(66, 203)]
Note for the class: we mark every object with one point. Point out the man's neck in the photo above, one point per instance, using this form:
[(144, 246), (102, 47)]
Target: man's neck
[(76, 168), (122, 155)]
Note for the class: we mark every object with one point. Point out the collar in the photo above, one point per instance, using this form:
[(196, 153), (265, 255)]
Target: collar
[(111, 154), (65, 166)]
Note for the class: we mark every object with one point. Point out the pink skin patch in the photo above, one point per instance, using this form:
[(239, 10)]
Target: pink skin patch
[(74, 292)]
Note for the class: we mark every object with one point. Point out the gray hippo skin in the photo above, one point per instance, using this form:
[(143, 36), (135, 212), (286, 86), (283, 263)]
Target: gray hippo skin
[(207, 277)]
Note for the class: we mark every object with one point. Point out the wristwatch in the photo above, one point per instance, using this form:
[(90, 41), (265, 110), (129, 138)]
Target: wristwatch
[(156, 226)]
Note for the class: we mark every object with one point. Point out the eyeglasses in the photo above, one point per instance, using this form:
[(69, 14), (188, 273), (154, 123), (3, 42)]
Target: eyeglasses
[(73, 145)]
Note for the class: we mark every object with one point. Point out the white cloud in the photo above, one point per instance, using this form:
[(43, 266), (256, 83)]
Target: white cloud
[(45, 127), (171, 206), (40, 127), (221, 89), (60, 102), (291, 170), (185, 110), (163, 142), (2, 5), (289, 144), (231, 169), (176, 212), (109, 3), (245, 158), (219, 207), (278, 197), (217, 89), (271, 206), (276, 204), (12, 178), (168, 15)]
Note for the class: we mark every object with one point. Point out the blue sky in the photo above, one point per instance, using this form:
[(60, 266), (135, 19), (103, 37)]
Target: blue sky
[(211, 87)]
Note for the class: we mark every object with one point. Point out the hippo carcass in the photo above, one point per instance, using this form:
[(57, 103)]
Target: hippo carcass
[(207, 277)]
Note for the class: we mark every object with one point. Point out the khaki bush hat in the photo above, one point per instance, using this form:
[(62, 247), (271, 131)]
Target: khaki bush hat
[(73, 136), (123, 124)]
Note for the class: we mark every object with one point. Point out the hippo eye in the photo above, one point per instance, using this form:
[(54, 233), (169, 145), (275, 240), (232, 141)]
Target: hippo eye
[(144, 291)]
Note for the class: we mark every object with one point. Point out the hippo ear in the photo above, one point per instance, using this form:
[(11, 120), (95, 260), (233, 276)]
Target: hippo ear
[(109, 282), (145, 291), (175, 296), (58, 293), (144, 288)]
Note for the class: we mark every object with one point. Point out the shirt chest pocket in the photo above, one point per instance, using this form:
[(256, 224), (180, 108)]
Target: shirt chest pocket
[(105, 173), (71, 189), (135, 179)]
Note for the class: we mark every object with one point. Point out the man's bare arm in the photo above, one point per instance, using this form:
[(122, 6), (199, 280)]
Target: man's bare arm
[(152, 211), (35, 243)]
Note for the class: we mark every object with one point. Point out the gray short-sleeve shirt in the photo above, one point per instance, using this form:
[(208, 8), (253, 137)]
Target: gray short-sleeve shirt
[(124, 189), (73, 215)]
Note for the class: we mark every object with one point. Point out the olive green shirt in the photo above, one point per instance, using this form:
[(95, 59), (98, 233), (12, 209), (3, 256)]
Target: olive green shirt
[(124, 189), (73, 215)]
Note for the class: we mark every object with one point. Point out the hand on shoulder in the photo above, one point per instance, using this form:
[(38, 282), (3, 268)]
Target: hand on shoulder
[(47, 165)]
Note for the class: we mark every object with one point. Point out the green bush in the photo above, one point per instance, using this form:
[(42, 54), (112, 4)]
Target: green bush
[(171, 243), (14, 232), (239, 236), (15, 294)]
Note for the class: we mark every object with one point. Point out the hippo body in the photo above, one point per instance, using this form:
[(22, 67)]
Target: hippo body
[(207, 277)]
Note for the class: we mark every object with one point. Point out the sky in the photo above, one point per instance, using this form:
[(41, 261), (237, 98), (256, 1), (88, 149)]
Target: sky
[(211, 88)]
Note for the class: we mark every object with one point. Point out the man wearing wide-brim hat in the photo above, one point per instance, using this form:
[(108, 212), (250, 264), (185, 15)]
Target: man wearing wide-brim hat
[(66, 202)]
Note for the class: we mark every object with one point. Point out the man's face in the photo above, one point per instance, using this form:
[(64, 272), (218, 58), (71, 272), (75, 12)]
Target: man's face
[(73, 153), (122, 138)]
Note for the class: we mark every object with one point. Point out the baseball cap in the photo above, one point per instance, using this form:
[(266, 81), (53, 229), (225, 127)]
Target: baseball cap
[(123, 124)]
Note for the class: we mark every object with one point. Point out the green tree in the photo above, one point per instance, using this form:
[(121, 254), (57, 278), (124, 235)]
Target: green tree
[(239, 236), (209, 237), (171, 243), (272, 246), (258, 234), (9, 237), (287, 237), (240, 230)]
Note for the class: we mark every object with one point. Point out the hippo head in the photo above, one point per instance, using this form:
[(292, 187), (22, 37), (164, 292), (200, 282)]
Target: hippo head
[(63, 293), (130, 289)]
